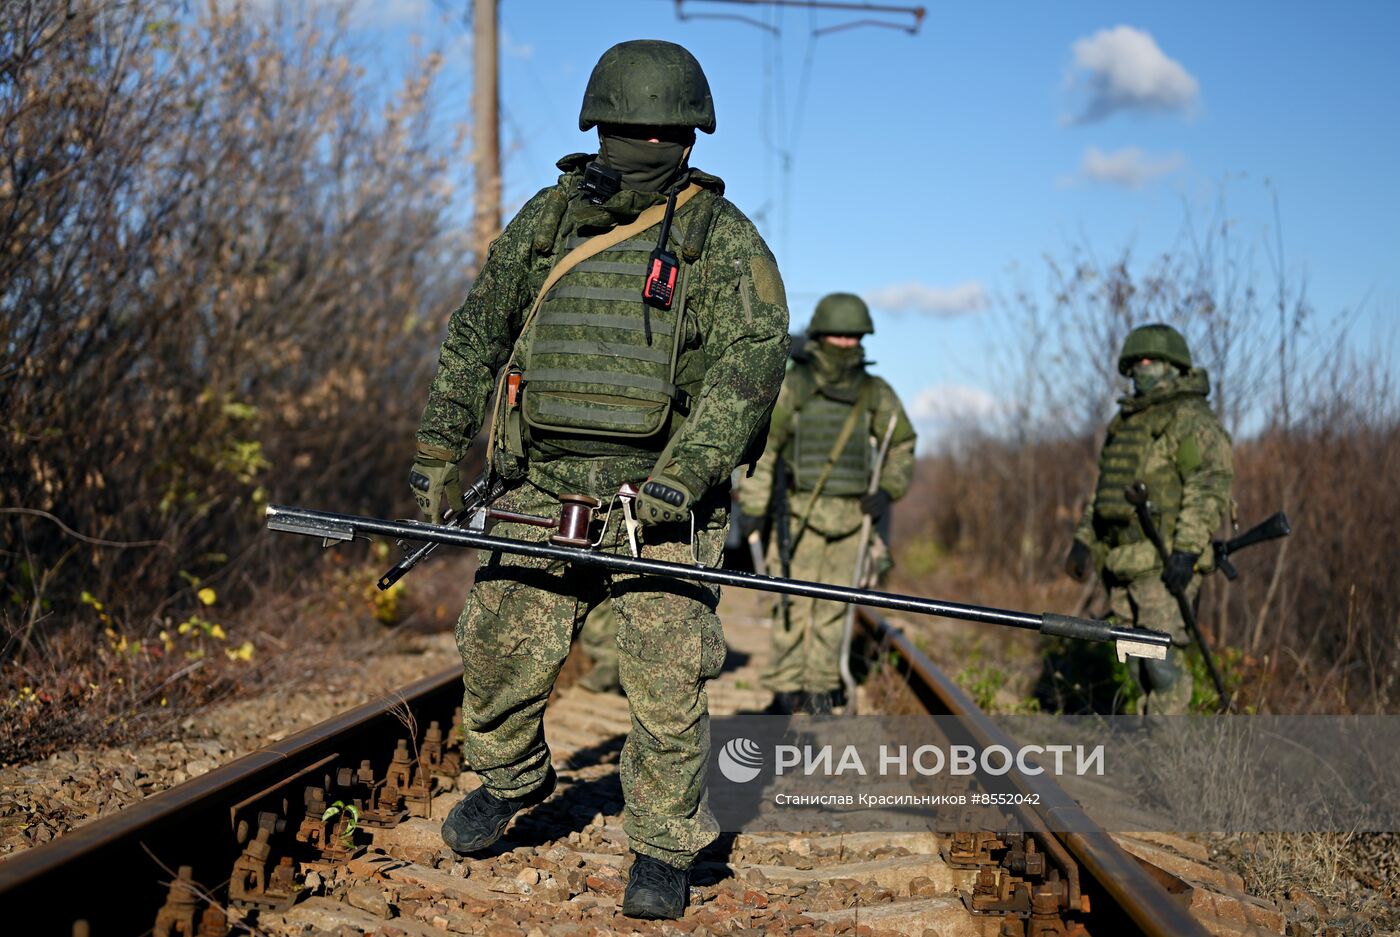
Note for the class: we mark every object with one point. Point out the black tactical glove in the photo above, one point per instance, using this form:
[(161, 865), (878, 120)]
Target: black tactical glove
[(435, 483), (876, 503), (1079, 561), (748, 524), (1181, 566), (663, 500)]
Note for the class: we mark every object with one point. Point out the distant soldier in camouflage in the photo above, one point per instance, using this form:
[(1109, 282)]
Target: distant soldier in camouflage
[(828, 427), (1165, 435), (596, 387), (598, 638)]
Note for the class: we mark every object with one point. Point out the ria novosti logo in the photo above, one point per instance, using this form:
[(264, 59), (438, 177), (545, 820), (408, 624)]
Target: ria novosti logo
[(740, 760)]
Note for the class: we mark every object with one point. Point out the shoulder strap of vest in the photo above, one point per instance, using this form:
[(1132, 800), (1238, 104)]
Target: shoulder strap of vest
[(803, 384), (842, 438)]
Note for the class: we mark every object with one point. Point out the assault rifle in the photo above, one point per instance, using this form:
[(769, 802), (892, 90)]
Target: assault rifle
[(1271, 529), (782, 530), (476, 498), (1274, 527)]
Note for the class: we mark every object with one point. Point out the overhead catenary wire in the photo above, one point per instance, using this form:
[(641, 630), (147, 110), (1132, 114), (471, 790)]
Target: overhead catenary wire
[(781, 128)]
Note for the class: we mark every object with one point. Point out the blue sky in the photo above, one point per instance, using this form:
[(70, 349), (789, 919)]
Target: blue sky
[(948, 163)]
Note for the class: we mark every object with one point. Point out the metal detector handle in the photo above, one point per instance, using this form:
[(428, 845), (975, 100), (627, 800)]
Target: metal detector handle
[(322, 524)]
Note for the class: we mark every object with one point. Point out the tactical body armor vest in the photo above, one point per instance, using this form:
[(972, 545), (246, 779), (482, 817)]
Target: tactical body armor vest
[(1121, 462), (817, 426), (597, 360)]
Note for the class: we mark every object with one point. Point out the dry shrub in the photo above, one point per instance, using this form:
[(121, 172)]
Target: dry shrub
[(225, 255)]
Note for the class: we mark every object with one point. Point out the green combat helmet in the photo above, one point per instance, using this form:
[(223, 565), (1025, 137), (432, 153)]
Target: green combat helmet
[(648, 83), (841, 314), (1154, 341)]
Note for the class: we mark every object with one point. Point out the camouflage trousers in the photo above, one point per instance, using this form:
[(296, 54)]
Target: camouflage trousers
[(805, 649), (514, 634), (598, 638), (1146, 603)]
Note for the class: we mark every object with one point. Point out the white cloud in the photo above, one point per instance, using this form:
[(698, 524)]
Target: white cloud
[(970, 296), (1129, 167), (1123, 69), (940, 412)]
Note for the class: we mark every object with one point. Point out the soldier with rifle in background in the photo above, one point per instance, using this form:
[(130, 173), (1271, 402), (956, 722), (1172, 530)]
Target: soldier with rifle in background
[(1165, 441), (834, 428), (633, 327)]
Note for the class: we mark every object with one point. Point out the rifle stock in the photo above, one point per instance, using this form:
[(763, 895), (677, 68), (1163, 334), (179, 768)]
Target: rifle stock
[(1271, 529), (487, 488)]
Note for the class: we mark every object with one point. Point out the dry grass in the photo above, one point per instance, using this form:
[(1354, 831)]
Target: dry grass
[(1349, 882), (70, 692)]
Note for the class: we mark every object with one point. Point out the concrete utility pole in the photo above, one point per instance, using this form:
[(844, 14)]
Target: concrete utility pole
[(486, 136)]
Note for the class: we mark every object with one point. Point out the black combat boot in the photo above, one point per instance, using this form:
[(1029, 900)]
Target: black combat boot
[(479, 819), (818, 704), (655, 890)]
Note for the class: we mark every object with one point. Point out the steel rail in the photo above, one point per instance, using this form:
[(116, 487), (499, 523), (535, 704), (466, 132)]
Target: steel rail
[(114, 870), (1121, 877)]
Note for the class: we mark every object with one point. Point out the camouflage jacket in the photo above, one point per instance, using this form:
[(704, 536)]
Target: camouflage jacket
[(831, 515), (1171, 440), (730, 369)]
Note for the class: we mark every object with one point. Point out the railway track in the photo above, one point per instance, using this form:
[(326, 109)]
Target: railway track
[(334, 831)]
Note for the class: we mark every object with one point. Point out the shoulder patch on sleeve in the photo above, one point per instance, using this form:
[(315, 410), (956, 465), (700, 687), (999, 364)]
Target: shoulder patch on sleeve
[(1188, 456), (767, 283)]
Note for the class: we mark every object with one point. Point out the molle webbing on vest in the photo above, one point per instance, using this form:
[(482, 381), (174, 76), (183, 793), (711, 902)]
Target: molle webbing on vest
[(598, 360), (1119, 462), (818, 426), (1123, 461)]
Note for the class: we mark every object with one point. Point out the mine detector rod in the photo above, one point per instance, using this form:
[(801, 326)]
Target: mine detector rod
[(333, 528), (1137, 496)]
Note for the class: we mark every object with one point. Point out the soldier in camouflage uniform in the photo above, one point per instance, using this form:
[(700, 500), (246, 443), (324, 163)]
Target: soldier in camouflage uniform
[(594, 389), (828, 426), (1165, 435)]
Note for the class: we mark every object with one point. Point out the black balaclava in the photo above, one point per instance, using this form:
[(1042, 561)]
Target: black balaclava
[(645, 166)]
